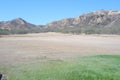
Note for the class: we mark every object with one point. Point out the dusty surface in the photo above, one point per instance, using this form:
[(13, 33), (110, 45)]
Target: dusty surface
[(55, 46)]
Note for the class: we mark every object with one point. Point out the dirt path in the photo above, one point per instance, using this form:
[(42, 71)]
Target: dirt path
[(55, 46)]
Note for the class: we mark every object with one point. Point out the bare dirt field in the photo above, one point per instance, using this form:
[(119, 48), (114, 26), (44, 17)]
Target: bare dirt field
[(54, 46)]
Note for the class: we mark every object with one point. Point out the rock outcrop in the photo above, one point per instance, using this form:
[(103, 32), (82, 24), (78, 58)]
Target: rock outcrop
[(102, 18)]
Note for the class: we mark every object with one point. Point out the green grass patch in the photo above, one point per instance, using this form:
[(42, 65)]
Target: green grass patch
[(100, 67)]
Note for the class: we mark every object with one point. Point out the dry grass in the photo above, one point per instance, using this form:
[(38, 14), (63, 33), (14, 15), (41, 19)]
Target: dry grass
[(54, 46)]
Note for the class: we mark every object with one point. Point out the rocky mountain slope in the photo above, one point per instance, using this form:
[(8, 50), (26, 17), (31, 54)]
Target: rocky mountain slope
[(102, 21), (98, 22), (17, 26)]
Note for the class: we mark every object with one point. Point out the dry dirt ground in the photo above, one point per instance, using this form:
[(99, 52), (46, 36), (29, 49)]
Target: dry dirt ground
[(54, 46)]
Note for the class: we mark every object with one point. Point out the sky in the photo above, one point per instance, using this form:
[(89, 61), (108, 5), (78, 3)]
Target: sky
[(45, 11)]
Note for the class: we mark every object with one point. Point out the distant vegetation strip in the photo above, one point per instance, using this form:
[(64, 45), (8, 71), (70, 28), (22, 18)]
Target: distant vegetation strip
[(75, 30)]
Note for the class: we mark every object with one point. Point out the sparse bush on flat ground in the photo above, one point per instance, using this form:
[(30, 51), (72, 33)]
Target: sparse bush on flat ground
[(99, 67), (90, 30), (74, 30)]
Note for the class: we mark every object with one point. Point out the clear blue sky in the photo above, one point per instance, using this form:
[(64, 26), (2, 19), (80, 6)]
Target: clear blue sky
[(45, 11)]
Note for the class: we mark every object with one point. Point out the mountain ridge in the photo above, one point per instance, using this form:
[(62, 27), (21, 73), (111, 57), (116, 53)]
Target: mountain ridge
[(97, 22), (92, 15), (87, 23)]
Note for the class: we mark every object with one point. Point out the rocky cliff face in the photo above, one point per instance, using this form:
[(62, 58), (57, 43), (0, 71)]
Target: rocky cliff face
[(99, 18), (98, 22)]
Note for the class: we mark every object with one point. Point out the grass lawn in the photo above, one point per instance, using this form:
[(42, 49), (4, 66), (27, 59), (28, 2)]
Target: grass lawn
[(98, 67)]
